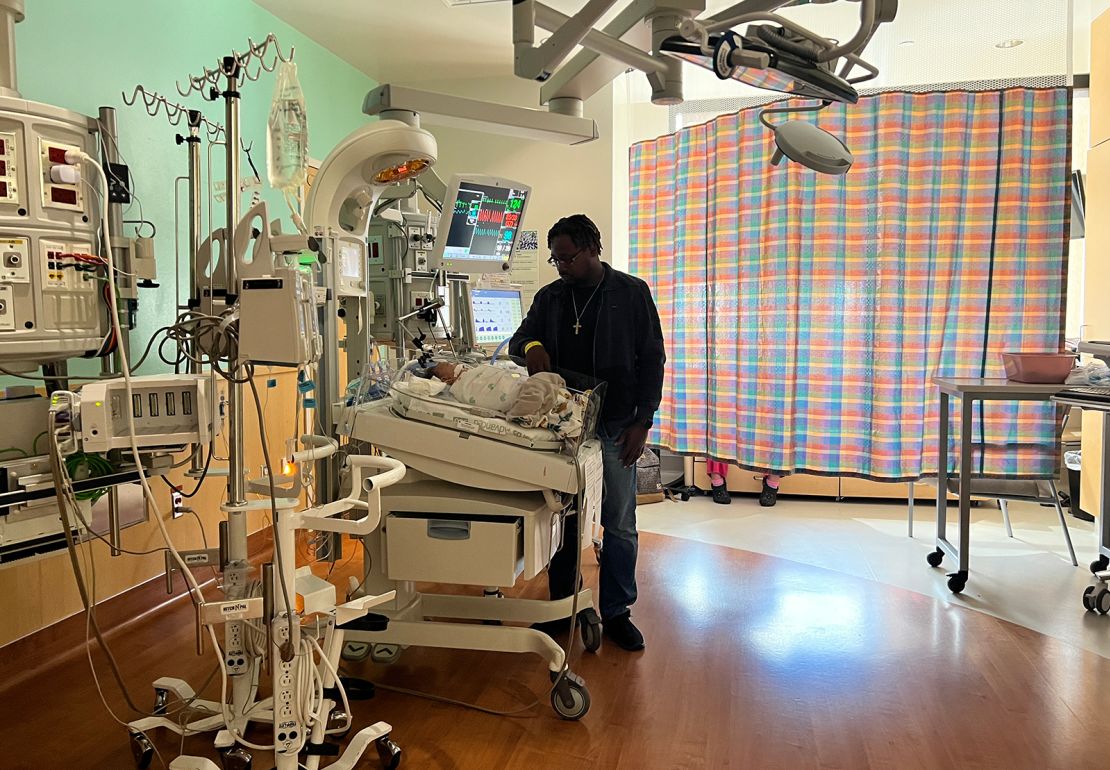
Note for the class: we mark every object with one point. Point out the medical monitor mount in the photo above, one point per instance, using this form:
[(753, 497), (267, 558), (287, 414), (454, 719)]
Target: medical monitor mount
[(658, 36)]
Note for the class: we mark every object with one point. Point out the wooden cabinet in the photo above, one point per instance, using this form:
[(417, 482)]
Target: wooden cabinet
[(1096, 266), (1100, 79)]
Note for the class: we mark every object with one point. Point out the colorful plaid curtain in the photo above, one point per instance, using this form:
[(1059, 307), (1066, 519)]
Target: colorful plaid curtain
[(805, 315)]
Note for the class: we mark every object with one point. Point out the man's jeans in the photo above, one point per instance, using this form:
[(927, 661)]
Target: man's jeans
[(619, 543)]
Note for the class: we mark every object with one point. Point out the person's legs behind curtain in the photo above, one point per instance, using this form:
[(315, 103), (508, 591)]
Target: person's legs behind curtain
[(718, 480)]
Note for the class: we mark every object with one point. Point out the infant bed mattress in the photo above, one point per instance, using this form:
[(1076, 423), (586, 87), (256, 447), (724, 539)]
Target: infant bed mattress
[(478, 422)]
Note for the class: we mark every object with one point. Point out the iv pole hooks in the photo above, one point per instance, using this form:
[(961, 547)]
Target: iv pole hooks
[(155, 104), (255, 53)]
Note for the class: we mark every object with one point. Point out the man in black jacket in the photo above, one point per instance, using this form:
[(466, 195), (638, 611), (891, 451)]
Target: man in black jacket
[(601, 323)]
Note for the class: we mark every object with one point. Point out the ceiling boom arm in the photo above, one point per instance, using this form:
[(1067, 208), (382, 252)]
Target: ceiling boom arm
[(537, 63)]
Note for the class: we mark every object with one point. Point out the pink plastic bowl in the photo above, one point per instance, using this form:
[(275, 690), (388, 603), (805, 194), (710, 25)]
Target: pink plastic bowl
[(1044, 368)]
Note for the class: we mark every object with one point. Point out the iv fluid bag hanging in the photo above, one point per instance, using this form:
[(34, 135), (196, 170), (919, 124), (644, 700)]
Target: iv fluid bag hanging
[(287, 137)]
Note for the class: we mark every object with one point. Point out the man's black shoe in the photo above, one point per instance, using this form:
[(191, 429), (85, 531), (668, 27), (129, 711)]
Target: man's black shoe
[(621, 631)]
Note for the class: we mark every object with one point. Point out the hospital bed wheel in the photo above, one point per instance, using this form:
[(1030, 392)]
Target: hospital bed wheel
[(1102, 601), (570, 698), (385, 653), (1089, 599), (935, 558), (161, 701), (1099, 564), (590, 627), (142, 750), (957, 581), (388, 752)]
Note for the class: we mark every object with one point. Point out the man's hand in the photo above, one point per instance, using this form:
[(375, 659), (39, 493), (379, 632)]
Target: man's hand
[(537, 360), (632, 442)]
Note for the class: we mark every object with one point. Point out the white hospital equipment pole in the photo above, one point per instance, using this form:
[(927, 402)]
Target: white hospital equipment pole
[(192, 143), (241, 667)]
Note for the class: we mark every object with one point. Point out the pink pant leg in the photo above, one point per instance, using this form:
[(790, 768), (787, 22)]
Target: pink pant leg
[(720, 467)]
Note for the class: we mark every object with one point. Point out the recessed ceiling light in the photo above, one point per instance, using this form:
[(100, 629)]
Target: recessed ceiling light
[(905, 42), (1011, 43)]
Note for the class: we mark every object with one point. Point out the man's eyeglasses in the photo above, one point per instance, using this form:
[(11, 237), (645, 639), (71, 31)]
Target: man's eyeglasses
[(557, 259)]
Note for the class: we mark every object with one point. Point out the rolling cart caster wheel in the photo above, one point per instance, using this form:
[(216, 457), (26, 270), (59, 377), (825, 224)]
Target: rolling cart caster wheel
[(1089, 599), (337, 718), (684, 497), (161, 701), (590, 627), (385, 653), (570, 699), (957, 581), (1099, 564), (388, 752), (1102, 601), (235, 758), (935, 558), (142, 750)]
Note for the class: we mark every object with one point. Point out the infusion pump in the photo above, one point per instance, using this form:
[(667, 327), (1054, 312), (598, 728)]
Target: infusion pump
[(168, 410)]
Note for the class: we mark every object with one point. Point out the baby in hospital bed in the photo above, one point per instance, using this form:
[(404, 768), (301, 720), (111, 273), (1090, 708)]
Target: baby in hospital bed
[(539, 401)]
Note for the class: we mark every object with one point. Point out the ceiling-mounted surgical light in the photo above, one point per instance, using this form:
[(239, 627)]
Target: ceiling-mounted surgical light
[(805, 143), (813, 147)]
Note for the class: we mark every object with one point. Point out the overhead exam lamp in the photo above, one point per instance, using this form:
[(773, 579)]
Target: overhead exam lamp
[(805, 143), (355, 173)]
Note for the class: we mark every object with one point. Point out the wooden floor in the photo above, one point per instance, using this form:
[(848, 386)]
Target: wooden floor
[(751, 662)]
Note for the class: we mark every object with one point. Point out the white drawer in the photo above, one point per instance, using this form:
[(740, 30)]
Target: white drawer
[(483, 551)]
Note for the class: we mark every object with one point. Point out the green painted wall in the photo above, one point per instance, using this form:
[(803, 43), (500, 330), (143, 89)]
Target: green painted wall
[(80, 55)]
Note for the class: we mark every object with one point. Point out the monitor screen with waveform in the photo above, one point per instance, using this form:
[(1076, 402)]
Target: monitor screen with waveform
[(484, 216)]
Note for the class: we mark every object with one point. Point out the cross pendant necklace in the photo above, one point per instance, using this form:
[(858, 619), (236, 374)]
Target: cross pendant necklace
[(577, 315)]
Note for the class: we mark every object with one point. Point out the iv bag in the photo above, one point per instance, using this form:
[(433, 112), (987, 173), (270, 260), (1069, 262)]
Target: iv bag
[(287, 138)]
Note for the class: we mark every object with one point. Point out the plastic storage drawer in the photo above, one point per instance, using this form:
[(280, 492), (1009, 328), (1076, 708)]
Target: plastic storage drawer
[(483, 551)]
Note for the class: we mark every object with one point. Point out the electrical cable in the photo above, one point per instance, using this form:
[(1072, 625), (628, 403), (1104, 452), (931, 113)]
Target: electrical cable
[(278, 556), (194, 589), (200, 479), (435, 204), (63, 489), (96, 466), (94, 534), (334, 671)]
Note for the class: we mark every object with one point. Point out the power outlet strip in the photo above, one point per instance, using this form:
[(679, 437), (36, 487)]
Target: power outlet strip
[(235, 653), (289, 732)]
